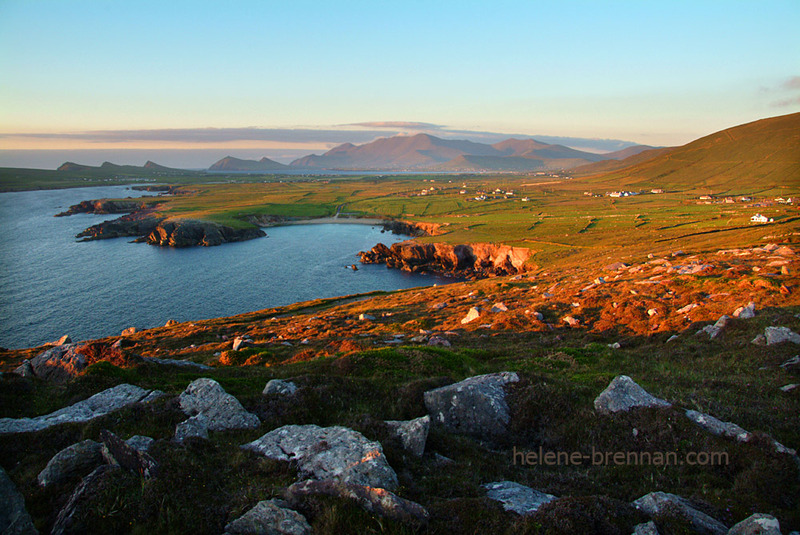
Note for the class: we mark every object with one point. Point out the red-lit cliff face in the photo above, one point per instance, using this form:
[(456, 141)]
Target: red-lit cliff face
[(467, 260)]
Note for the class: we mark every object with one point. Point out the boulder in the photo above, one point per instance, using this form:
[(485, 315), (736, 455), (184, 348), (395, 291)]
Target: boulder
[(277, 386), (776, 335), (177, 362), (63, 340), (572, 322), (170, 323), (412, 433), (438, 341), (328, 452), (117, 452), (718, 427), (757, 524), (499, 307), (715, 330), (61, 363), (687, 308), (269, 517), (378, 501), (194, 427), (648, 528), (75, 460), (14, 518), (129, 331), (366, 317), (664, 504), (745, 312), (219, 410), (473, 314), (517, 498), (616, 266), (239, 342), (141, 443), (67, 520), (623, 394), (475, 406), (96, 406)]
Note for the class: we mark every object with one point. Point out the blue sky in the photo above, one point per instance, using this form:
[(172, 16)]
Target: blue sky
[(660, 73)]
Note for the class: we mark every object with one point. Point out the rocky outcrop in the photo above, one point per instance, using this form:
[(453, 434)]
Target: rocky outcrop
[(96, 406), (757, 524), (211, 409), (412, 434), (470, 260), (328, 453), (416, 230), (269, 516), (376, 500), (117, 452), (777, 335), (192, 232), (277, 386), (109, 206), (623, 394), (475, 406), (517, 498), (664, 504), (61, 363), (76, 460), (14, 518), (135, 225)]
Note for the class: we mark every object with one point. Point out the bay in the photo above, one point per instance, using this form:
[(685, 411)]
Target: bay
[(51, 284)]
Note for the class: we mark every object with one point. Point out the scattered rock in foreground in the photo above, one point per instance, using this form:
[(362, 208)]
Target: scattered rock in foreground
[(96, 406), (66, 522), (75, 460), (412, 433), (776, 335), (378, 501), (718, 427), (278, 386), (117, 452), (475, 406), (648, 528), (757, 524), (14, 518), (664, 504), (623, 394), (517, 498), (328, 452), (270, 517), (211, 409)]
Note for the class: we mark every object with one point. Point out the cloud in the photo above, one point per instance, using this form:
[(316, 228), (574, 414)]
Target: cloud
[(790, 85), (402, 125), (786, 102)]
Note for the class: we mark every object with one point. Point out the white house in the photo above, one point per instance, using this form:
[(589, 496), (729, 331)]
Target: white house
[(759, 218)]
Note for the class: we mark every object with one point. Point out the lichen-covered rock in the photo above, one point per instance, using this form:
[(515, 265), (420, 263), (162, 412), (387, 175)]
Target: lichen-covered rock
[(75, 460), (14, 518), (277, 386), (328, 452), (412, 433), (517, 498), (718, 427), (757, 524), (220, 410), (623, 394), (375, 500), (194, 427), (664, 504), (271, 518), (96, 406), (777, 335), (475, 406)]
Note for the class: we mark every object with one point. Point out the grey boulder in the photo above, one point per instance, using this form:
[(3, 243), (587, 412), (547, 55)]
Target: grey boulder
[(623, 394), (757, 524), (777, 335), (75, 460), (475, 406), (209, 406), (648, 528), (517, 498), (277, 386), (14, 518), (718, 427), (328, 453), (412, 433), (269, 517), (664, 504)]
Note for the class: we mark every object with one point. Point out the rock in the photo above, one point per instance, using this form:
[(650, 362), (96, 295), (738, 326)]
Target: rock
[(623, 394), (277, 386), (239, 342), (219, 410), (269, 517), (475, 406), (715, 330), (61, 363), (776, 335), (118, 453), (177, 362), (745, 312), (438, 306), (794, 361), (672, 338), (648, 528), (194, 427), (652, 312), (517, 498), (757, 524), (328, 452), (129, 331), (14, 518), (718, 427), (378, 501), (687, 308), (366, 317), (473, 314), (25, 369), (615, 345), (499, 307), (75, 460), (663, 504), (67, 519), (759, 340), (141, 443), (788, 388), (412, 433), (96, 406), (572, 322), (438, 341), (63, 340), (170, 323), (616, 266)]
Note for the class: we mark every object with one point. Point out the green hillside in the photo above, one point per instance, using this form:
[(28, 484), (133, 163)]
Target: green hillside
[(759, 156)]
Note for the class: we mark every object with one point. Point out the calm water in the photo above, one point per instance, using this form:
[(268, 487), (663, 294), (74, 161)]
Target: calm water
[(51, 285)]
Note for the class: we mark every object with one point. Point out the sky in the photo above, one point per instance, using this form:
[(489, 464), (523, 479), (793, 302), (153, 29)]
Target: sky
[(283, 79)]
